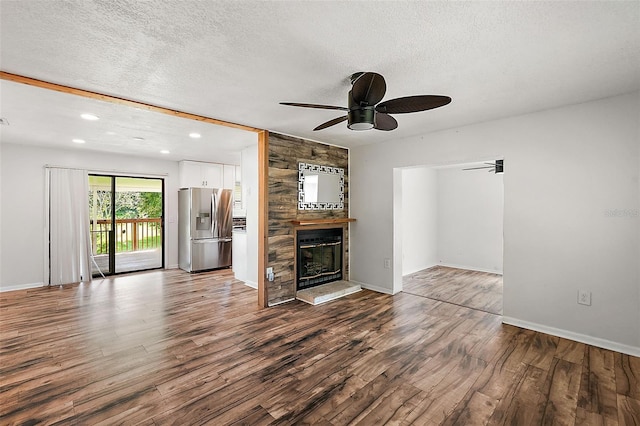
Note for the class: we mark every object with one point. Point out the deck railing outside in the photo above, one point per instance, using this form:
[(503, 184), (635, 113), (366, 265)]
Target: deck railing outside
[(130, 234)]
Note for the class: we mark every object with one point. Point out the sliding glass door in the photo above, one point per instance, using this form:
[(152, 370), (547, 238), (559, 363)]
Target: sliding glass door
[(126, 219), (101, 219)]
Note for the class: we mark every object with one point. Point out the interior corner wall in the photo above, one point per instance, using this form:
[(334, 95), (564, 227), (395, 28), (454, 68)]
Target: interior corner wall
[(23, 204), (419, 219), (570, 201), (470, 219), (285, 153), (1, 237), (250, 197)]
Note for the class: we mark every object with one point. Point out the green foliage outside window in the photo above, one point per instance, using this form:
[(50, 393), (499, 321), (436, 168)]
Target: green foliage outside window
[(129, 205)]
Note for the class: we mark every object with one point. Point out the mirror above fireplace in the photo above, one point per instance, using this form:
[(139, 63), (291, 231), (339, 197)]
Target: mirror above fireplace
[(320, 187)]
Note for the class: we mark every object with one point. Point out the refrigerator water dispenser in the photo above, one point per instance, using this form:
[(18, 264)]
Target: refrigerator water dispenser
[(203, 222)]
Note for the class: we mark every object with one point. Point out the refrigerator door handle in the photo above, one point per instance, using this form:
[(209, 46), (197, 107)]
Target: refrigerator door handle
[(214, 208)]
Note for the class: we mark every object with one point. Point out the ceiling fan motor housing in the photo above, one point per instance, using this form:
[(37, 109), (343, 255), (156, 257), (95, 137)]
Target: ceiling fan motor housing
[(360, 117)]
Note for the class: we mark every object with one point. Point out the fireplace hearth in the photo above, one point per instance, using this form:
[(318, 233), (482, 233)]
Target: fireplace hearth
[(319, 257)]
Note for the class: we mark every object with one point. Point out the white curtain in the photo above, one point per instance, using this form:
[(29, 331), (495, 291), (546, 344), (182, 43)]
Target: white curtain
[(69, 239)]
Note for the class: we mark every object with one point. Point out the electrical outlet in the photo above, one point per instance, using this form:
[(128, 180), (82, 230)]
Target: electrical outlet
[(387, 263), (584, 297), (270, 274)]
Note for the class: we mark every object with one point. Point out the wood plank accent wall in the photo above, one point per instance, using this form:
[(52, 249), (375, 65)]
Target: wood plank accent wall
[(285, 153), (263, 215)]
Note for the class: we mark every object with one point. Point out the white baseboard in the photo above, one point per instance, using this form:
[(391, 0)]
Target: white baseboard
[(469, 268), (20, 287), (251, 284), (414, 270), (582, 338), (373, 287), (172, 266)]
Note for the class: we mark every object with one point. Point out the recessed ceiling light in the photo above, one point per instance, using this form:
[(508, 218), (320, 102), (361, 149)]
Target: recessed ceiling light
[(138, 138), (194, 135), (90, 117), (111, 133), (77, 140), (164, 151)]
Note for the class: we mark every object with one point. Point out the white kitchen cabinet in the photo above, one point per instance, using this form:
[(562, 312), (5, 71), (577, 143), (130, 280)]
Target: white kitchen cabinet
[(195, 174), (229, 176), (212, 175)]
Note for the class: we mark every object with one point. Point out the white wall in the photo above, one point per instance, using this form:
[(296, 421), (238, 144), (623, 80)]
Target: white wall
[(250, 197), (566, 170), (470, 205), (1, 236), (419, 219), (451, 217), (22, 207)]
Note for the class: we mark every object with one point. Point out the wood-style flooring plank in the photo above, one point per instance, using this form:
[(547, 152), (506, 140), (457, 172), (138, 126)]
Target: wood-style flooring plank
[(167, 347), (598, 385), (472, 289), (627, 375), (564, 385), (628, 410), (524, 402)]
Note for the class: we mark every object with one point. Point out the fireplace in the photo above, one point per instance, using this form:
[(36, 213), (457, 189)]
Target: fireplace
[(319, 257)]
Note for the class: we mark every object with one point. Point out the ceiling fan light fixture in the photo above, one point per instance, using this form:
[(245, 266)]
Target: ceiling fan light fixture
[(360, 126), (361, 119)]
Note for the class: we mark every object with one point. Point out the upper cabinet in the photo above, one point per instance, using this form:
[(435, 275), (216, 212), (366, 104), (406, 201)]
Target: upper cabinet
[(195, 174), (229, 176)]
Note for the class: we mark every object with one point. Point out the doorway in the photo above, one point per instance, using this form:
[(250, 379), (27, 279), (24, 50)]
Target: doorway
[(450, 226), (126, 223)]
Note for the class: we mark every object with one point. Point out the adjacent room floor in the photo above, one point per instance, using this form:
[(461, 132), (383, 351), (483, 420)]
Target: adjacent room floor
[(471, 289), (168, 347)]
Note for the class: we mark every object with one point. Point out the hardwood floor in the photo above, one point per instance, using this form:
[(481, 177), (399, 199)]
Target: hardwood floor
[(166, 347), (471, 289)]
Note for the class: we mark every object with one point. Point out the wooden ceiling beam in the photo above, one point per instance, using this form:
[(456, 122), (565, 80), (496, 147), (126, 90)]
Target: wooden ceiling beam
[(122, 101)]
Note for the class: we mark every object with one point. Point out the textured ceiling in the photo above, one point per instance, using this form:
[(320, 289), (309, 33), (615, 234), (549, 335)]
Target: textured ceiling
[(236, 60)]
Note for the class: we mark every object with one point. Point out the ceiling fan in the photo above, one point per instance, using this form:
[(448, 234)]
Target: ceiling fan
[(497, 167), (365, 112)]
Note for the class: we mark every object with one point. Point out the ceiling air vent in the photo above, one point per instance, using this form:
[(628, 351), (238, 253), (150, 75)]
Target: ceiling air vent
[(4, 121)]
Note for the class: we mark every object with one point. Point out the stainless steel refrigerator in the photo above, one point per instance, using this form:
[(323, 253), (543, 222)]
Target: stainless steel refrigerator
[(204, 228)]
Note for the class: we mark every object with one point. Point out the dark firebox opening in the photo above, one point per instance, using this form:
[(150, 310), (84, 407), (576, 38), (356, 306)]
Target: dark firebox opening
[(319, 257)]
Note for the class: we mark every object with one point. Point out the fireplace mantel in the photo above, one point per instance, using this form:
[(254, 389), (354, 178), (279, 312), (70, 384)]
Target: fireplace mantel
[(332, 221)]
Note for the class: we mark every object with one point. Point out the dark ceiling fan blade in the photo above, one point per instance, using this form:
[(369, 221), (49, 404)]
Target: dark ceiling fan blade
[(385, 122), (412, 104), (331, 123), (314, 106), (368, 89)]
